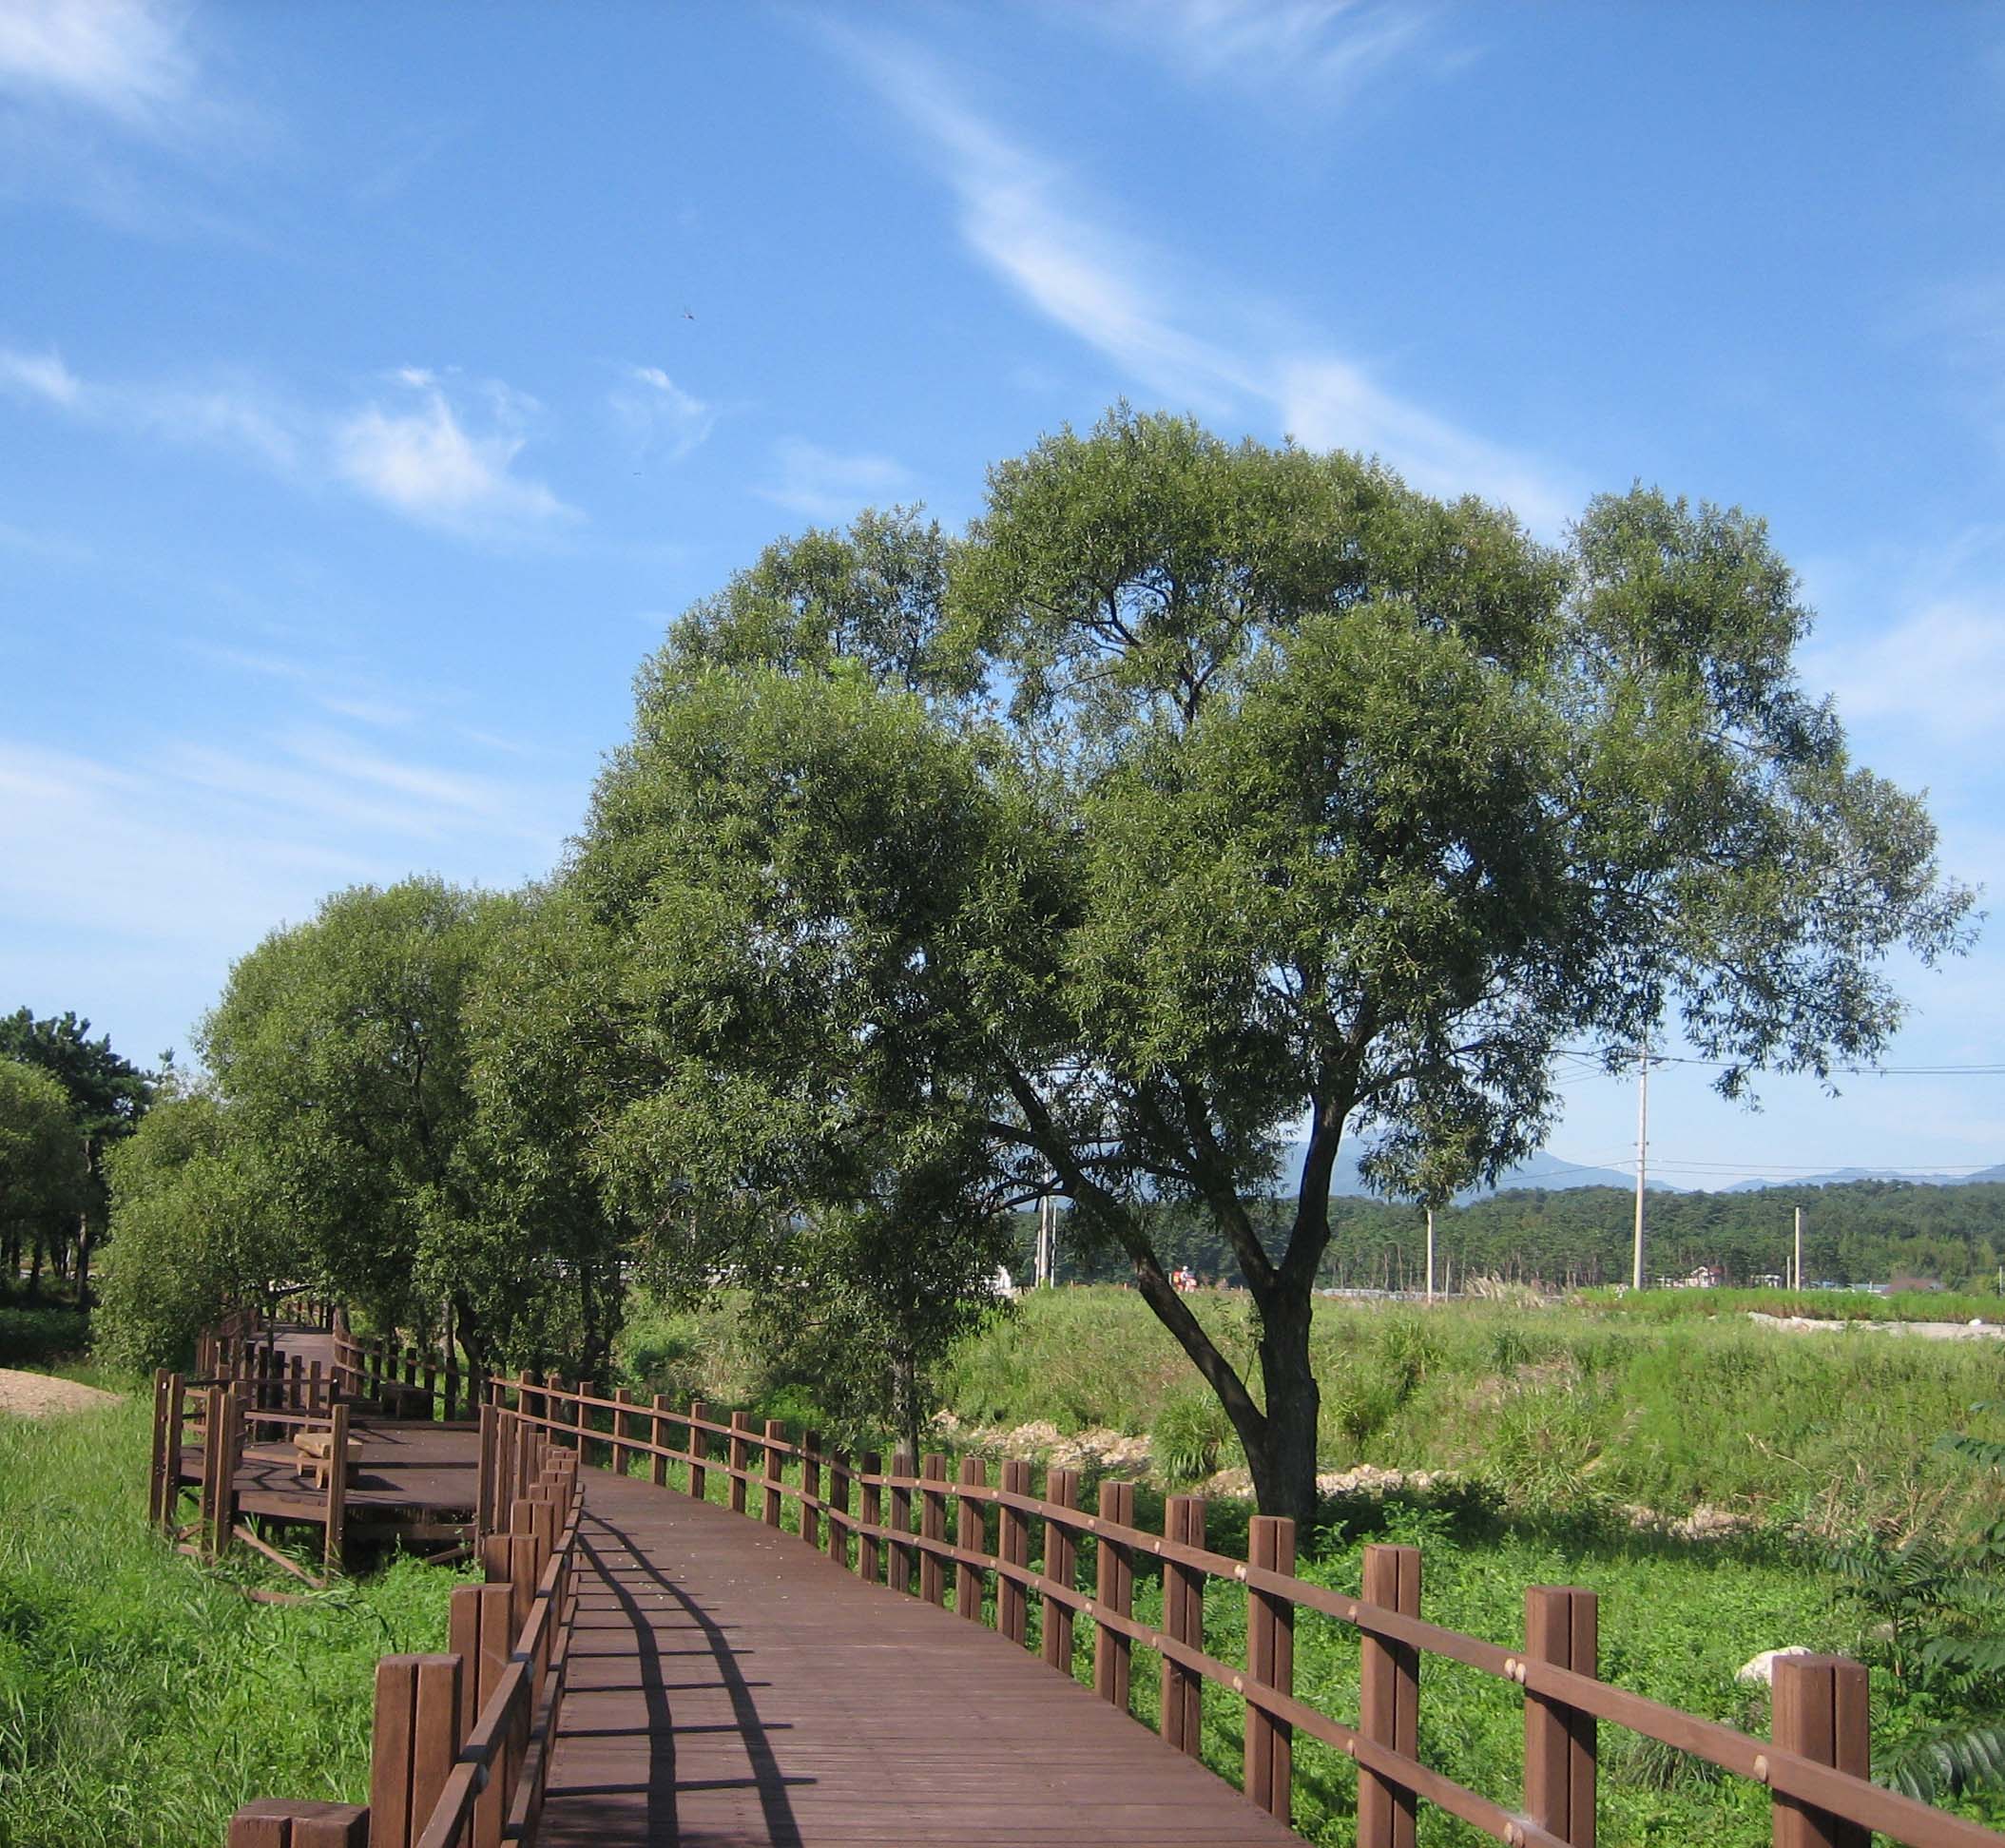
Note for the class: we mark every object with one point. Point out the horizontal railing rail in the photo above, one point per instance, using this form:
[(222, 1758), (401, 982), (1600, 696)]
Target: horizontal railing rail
[(461, 1742), (1815, 1766)]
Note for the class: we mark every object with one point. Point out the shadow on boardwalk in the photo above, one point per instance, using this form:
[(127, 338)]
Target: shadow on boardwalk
[(729, 1687)]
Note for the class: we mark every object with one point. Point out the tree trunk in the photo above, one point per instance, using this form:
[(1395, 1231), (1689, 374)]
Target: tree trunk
[(472, 1340), (83, 1260), (1281, 1453)]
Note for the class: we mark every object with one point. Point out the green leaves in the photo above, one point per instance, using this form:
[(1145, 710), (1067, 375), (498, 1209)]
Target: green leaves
[(1203, 788)]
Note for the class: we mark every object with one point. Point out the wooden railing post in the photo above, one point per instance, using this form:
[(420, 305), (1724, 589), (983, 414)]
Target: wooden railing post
[(969, 1534), (902, 1464), (774, 1469), (1114, 1586), (1389, 1698), (1819, 1712), (280, 1823), (229, 1449), (868, 1550), (621, 1458), (811, 1488), (157, 1497), (699, 1448), (1562, 1628), (839, 1509), (1061, 1564), (1183, 1622), (1270, 1662), (337, 1510), (933, 1526), (415, 1741), (738, 1457), (581, 1416), (658, 1461), (484, 1471), (1013, 1546)]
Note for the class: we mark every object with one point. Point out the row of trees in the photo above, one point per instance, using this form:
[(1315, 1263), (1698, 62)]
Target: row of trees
[(1858, 1232), (65, 1102), (1196, 793)]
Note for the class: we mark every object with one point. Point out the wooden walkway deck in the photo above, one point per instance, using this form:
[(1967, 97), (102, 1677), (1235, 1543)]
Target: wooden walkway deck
[(727, 1686), (415, 1479)]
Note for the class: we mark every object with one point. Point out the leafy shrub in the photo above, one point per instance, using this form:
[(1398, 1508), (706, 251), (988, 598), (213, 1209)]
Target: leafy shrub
[(1187, 1436), (32, 1338)]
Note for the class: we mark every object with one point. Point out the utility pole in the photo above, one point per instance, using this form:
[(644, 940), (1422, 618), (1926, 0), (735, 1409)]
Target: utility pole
[(1643, 1126), (1430, 1254), (1045, 1265), (1798, 1282)]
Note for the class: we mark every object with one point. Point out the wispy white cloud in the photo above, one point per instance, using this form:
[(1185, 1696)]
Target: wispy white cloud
[(1939, 667), (435, 450), (135, 883), (1127, 300), (425, 460), (1333, 46), (128, 58), (39, 375), (664, 421), (232, 415), (827, 486)]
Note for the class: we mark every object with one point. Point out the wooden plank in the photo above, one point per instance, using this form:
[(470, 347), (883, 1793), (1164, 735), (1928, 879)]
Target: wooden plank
[(1388, 1700), (775, 1470), (741, 1427), (1061, 1564), (1115, 1588), (1180, 1708), (699, 1449), (1820, 1709), (933, 1526), (872, 1513), (971, 1533), (1561, 1627), (1269, 1772)]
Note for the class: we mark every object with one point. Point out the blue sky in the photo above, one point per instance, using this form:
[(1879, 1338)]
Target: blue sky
[(373, 387)]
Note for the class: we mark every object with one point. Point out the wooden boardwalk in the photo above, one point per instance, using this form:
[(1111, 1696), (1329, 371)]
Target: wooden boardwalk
[(727, 1686), (643, 1667)]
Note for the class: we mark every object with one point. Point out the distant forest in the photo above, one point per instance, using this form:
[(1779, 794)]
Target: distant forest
[(1860, 1232)]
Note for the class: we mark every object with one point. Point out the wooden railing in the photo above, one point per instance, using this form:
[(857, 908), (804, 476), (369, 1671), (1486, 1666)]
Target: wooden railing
[(891, 1526), (406, 1381), (221, 1414), (460, 1750)]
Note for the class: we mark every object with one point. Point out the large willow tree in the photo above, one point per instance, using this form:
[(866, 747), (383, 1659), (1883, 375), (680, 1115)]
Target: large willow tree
[(1200, 793)]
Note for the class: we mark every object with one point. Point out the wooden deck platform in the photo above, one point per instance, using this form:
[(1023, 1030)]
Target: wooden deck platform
[(727, 1686), (425, 1473)]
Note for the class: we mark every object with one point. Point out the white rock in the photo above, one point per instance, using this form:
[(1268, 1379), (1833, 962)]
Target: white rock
[(1760, 1671)]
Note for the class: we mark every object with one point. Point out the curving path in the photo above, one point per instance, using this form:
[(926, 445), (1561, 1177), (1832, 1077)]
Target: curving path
[(728, 1686)]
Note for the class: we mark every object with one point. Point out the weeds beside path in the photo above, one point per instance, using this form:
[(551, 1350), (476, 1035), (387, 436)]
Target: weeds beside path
[(142, 1698)]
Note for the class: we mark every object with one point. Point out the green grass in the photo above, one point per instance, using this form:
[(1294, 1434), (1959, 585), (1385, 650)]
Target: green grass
[(142, 1698), (1569, 1409)]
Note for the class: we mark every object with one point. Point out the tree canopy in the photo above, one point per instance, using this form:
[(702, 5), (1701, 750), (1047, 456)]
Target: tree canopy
[(106, 1095), (1205, 790)]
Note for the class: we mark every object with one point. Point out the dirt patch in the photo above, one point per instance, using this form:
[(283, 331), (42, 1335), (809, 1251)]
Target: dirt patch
[(42, 1395)]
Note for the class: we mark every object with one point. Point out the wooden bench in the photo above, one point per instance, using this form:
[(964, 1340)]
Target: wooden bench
[(314, 1449)]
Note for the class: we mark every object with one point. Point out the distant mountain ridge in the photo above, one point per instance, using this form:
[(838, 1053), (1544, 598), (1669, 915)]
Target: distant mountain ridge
[(1842, 1176), (1549, 1172)]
